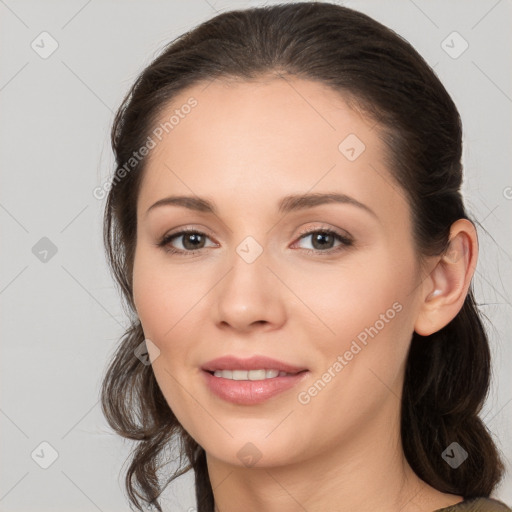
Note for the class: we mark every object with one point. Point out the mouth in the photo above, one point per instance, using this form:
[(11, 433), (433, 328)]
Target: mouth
[(250, 381), (256, 367), (251, 375)]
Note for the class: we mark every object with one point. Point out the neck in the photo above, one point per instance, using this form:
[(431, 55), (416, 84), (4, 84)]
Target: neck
[(367, 473)]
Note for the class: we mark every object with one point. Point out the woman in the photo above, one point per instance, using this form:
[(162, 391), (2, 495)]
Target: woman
[(287, 228)]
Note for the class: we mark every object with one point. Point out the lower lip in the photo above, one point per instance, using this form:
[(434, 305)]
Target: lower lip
[(251, 392)]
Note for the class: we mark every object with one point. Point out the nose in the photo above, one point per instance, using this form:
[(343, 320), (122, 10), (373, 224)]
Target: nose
[(249, 296)]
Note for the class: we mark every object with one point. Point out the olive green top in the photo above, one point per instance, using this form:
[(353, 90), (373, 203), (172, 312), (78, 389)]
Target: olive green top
[(477, 505)]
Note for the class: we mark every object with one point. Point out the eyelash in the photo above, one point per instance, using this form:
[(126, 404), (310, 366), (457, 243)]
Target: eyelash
[(164, 243)]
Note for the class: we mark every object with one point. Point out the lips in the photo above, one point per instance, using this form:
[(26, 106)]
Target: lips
[(250, 392), (252, 363)]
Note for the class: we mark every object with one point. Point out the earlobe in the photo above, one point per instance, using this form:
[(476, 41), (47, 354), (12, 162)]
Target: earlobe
[(443, 293)]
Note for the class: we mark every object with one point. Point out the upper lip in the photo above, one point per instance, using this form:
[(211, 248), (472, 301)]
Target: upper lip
[(231, 362)]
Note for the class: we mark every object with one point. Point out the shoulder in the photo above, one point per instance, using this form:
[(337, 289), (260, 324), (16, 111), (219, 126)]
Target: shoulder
[(477, 505)]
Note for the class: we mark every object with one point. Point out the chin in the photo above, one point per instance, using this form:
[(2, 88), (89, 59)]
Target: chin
[(257, 450)]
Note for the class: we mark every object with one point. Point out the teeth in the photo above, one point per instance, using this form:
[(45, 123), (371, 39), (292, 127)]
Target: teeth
[(249, 374)]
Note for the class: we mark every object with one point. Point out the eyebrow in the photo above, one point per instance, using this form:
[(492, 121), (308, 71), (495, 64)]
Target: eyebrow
[(287, 204)]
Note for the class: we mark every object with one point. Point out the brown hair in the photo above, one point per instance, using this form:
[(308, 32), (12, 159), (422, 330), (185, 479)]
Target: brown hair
[(447, 374)]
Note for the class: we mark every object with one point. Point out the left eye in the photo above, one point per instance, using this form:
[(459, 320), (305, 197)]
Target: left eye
[(323, 240)]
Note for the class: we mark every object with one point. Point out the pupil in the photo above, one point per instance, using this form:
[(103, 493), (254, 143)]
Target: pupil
[(319, 237), (192, 237)]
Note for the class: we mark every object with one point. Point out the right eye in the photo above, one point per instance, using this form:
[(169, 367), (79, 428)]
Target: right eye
[(192, 242)]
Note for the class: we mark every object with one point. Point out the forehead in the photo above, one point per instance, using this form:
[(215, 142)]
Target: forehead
[(274, 136)]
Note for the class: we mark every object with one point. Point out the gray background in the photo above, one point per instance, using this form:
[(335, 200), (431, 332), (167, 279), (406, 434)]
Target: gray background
[(61, 318)]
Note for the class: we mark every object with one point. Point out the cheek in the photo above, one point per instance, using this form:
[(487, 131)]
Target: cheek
[(165, 305), (150, 302), (370, 319), (348, 300), (162, 296)]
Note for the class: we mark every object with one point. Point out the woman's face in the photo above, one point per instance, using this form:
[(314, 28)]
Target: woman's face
[(340, 304)]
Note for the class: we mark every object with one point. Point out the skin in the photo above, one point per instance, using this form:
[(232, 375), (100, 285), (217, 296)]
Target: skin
[(244, 147)]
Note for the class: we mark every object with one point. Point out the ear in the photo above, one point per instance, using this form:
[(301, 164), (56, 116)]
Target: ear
[(443, 292)]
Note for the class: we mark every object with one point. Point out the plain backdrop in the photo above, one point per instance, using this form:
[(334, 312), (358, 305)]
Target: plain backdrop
[(60, 313)]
